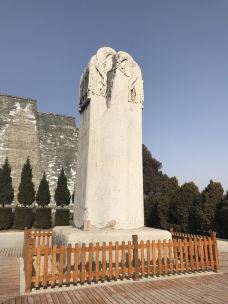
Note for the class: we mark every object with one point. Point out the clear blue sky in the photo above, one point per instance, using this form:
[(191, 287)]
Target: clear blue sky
[(181, 46)]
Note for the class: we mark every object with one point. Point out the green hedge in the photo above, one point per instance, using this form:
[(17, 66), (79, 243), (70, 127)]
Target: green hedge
[(6, 218), (62, 217), (23, 217), (43, 218)]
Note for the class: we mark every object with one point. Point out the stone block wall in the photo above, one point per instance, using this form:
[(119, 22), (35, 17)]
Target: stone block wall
[(49, 140), (19, 136), (58, 147)]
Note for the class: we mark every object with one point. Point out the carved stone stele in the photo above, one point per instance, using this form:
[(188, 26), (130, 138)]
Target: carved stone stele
[(109, 182)]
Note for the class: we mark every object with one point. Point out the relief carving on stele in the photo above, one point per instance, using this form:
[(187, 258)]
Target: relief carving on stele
[(94, 80)]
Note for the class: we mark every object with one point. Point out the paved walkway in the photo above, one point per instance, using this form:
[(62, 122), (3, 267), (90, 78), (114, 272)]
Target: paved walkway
[(209, 288), (15, 252), (201, 289), (9, 278)]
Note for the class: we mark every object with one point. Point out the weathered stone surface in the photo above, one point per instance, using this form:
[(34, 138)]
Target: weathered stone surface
[(58, 147), (109, 172), (19, 136), (63, 235), (49, 140)]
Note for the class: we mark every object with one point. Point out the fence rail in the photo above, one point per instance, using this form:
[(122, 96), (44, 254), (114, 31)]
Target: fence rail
[(50, 266), (182, 235)]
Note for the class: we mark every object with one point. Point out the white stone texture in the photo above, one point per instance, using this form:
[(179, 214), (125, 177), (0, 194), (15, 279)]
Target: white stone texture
[(109, 173), (19, 137), (64, 235)]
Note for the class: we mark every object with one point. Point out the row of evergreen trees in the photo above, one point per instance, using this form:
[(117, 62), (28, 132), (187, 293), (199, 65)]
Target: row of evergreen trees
[(182, 207), (26, 191), (166, 203)]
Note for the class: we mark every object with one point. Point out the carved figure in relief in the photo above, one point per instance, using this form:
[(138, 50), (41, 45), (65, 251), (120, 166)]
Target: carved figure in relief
[(132, 70), (94, 79)]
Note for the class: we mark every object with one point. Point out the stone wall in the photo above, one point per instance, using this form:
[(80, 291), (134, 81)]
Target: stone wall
[(49, 140), (19, 136), (58, 147)]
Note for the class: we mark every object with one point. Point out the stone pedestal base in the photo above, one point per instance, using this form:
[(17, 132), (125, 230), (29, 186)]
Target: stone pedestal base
[(64, 235)]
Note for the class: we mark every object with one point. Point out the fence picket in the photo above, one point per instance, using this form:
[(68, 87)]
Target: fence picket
[(103, 261), (48, 240), (129, 258), (180, 244), (201, 254), (53, 265), (43, 242), (165, 257), (68, 275), (186, 247), (75, 273), (46, 252), (211, 253), (61, 265), (110, 261), (191, 254), (159, 258), (215, 251), (38, 242), (154, 258), (196, 254), (136, 255), (117, 260), (148, 256), (38, 258), (123, 260), (97, 271), (142, 259), (90, 274), (83, 261), (170, 245), (176, 255), (206, 253)]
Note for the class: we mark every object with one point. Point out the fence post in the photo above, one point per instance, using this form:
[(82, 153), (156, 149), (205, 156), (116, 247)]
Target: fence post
[(28, 264), (215, 249), (135, 255)]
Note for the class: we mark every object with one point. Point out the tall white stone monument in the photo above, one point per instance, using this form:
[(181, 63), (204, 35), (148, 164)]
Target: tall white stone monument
[(109, 187), (109, 175)]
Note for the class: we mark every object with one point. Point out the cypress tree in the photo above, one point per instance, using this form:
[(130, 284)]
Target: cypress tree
[(43, 196), (159, 190), (211, 198), (26, 194), (152, 175), (62, 193), (182, 204), (6, 188), (222, 216)]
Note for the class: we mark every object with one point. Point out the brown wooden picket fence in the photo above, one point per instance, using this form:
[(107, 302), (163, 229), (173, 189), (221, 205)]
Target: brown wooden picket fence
[(187, 236), (182, 235), (50, 266), (33, 239)]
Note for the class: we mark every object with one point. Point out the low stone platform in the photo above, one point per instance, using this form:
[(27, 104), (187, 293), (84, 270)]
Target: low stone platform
[(64, 235)]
